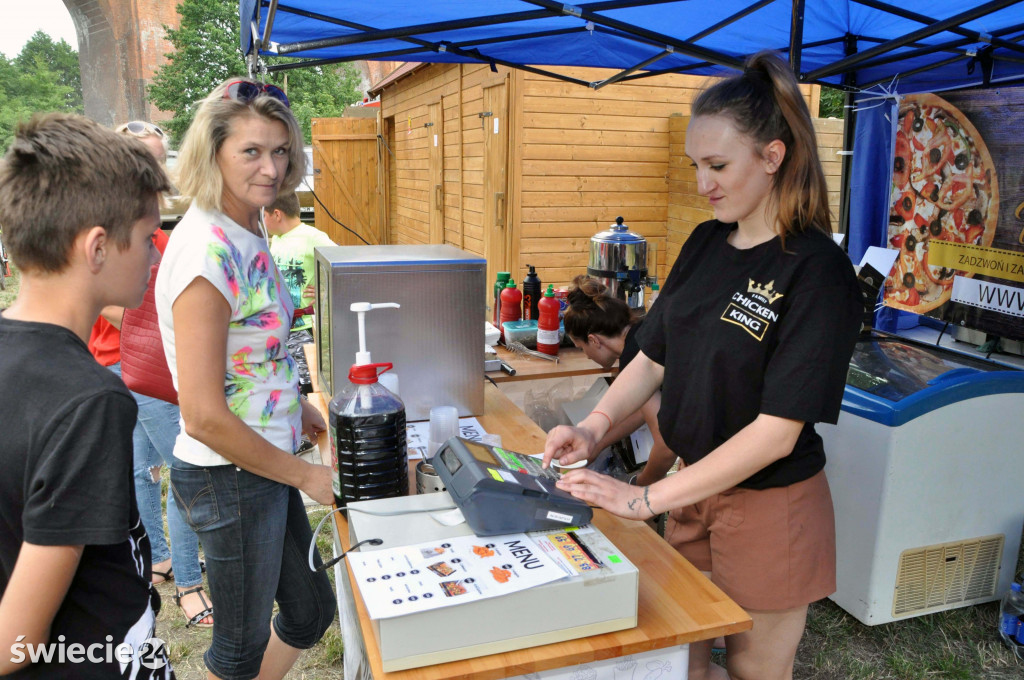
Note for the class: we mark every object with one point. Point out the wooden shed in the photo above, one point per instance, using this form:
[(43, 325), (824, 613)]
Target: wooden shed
[(519, 167)]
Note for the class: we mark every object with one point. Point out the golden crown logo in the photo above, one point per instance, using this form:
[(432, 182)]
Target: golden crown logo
[(766, 291)]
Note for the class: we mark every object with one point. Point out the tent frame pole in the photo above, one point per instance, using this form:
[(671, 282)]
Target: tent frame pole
[(973, 36), (846, 64), (796, 36), (689, 49), (849, 128)]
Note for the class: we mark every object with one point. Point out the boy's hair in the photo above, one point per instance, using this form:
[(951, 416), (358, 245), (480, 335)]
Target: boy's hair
[(199, 176), (287, 203), (63, 174)]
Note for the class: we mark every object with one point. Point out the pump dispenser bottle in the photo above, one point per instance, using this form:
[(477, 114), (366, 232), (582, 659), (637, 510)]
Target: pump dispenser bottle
[(367, 429)]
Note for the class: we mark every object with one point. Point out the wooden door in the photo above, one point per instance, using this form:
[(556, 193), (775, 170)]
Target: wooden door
[(346, 173), (435, 146), (494, 119)]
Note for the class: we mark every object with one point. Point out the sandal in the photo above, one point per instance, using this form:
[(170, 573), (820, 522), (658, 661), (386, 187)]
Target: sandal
[(166, 575), (195, 620)]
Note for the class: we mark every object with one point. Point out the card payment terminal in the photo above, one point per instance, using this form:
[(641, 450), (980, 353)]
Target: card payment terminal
[(503, 492)]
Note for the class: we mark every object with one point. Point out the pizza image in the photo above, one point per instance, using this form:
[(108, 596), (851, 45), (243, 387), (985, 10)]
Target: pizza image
[(944, 188), (441, 569), (453, 588)]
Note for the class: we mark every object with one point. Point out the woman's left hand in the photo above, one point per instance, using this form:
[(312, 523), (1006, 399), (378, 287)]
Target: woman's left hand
[(618, 498), (312, 422)]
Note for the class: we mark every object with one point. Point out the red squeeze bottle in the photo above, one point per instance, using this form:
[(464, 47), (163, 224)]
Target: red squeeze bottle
[(511, 305), (547, 323)]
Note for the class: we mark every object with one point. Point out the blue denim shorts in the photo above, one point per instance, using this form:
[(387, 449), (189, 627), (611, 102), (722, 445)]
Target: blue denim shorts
[(255, 535)]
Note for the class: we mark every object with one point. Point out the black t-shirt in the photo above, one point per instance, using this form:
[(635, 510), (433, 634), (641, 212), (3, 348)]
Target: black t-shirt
[(630, 347), (66, 456), (744, 332)]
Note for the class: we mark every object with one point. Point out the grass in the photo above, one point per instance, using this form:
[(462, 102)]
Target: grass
[(11, 285), (187, 645), (960, 644)]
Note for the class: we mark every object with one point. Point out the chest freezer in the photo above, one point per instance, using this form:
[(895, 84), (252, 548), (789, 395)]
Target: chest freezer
[(926, 466)]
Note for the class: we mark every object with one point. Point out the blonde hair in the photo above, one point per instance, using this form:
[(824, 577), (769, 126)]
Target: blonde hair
[(764, 103), (198, 175)]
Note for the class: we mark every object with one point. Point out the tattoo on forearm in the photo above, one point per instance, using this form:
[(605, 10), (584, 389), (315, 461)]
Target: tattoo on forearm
[(634, 504), (647, 502)]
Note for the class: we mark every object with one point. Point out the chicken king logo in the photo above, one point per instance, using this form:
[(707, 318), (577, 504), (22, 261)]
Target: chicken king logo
[(751, 310)]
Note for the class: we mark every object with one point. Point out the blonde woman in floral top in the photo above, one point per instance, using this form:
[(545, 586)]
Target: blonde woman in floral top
[(224, 320)]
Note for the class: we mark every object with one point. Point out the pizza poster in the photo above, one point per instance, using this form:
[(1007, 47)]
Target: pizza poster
[(447, 572), (956, 212)]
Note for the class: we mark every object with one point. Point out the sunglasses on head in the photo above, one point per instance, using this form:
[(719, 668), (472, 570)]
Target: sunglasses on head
[(140, 128), (245, 91)]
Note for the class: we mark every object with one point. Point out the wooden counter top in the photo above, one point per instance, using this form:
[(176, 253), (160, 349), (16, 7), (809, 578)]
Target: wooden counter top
[(677, 604), (571, 361)]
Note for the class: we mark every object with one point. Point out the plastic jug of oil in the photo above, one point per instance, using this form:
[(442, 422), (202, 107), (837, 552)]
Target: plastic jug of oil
[(367, 430)]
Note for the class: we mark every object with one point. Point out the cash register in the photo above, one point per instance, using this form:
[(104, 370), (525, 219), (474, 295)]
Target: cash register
[(503, 492)]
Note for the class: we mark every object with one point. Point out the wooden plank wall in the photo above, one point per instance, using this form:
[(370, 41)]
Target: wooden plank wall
[(578, 158), (589, 156), (687, 208), (459, 90), (345, 162)]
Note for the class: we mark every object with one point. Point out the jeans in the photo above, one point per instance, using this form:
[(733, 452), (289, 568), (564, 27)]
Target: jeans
[(256, 537), (153, 443)]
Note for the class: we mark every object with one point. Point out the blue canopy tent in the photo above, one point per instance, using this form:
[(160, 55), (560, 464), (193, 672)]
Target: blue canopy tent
[(866, 47)]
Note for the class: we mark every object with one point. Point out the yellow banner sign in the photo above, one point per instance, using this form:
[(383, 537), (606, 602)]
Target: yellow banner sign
[(965, 257)]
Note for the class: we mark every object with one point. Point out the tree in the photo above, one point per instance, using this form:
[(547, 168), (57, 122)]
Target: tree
[(206, 52), (44, 77), (832, 101), (41, 52)]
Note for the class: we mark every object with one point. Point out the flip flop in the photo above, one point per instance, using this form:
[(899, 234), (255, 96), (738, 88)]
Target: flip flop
[(195, 620), (166, 575)]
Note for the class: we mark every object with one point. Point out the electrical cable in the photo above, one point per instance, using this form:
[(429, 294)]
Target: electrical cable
[(339, 558), (369, 541), (339, 222)]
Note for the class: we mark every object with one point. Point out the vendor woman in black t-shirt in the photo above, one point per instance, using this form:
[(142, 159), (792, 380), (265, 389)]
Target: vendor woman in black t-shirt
[(749, 342), (605, 328)]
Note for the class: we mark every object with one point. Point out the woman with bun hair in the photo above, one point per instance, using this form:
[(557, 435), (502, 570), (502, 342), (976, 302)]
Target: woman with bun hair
[(605, 328), (749, 342)]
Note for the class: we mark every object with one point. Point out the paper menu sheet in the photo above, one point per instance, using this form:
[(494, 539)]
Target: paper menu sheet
[(418, 433), (416, 578)]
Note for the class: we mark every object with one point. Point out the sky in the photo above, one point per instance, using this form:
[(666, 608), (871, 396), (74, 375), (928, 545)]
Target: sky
[(22, 18)]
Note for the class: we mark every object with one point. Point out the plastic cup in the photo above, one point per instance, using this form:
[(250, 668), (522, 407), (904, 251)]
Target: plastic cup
[(444, 424)]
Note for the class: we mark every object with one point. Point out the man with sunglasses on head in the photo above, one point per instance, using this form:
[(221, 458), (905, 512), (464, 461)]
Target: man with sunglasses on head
[(153, 443)]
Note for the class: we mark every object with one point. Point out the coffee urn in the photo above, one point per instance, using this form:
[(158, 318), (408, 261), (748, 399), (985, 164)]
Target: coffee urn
[(618, 258)]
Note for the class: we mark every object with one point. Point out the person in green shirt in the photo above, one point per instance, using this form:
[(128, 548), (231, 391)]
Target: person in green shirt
[(292, 243)]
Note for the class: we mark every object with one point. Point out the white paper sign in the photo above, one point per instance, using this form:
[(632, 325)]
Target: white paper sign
[(881, 259), (435, 140), (495, 126), (995, 297), (449, 571), (417, 435)]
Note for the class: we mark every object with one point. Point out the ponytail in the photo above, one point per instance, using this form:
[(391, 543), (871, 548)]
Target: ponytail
[(593, 310), (764, 103)]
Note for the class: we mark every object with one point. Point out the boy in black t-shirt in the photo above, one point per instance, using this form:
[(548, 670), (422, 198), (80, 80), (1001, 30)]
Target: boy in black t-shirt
[(79, 209)]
